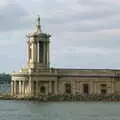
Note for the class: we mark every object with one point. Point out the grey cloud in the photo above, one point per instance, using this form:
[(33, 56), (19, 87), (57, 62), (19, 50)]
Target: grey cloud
[(103, 43), (70, 12), (65, 20), (87, 61), (12, 17), (94, 2), (92, 42), (61, 13), (75, 22)]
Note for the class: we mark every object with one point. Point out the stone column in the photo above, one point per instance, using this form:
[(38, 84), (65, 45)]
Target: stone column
[(12, 88), (47, 89), (95, 87), (73, 87), (62, 87), (75, 84), (80, 84), (48, 54), (79, 88), (20, 90), (34, 52), (107, 88), (112, 82), (76, 87), (55, 87), (32, 90), (98, 88), (50, 86), (111, 87), (15, 87), (91, 87), (23, 88), (28, 52), (30, 87)]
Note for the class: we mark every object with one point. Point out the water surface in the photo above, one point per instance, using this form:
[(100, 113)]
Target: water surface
[(28, 110)]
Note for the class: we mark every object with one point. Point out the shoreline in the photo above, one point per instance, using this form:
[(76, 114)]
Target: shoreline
[(65, 98)]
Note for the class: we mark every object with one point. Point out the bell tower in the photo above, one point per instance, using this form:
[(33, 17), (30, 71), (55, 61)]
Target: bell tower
[(38, 48)]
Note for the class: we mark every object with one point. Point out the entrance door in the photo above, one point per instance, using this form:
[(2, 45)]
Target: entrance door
[(103, 91), (85, 88), (42, 90)]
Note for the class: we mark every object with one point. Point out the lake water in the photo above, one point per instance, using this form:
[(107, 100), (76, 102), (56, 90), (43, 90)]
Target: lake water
[(29, 110)]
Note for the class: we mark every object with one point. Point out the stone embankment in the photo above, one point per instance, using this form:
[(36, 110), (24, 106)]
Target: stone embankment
[(5, 96), (104, 98)]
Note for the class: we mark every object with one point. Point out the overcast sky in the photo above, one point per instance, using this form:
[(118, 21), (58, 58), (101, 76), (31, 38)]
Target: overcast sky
[(85, 33)]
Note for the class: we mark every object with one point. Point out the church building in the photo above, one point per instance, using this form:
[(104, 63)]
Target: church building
[(38, 78)]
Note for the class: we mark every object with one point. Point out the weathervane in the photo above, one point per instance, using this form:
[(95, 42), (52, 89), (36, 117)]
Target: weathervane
[(38, 24)]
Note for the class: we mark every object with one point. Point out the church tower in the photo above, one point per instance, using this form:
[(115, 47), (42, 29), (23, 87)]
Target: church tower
[(38, 48)]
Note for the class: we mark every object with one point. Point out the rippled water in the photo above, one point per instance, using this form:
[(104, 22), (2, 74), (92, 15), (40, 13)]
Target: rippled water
[(27, 110)]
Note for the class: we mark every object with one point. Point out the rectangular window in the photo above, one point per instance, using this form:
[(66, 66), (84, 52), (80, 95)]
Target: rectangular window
[(67, 88), (103, 91), (103, 85)]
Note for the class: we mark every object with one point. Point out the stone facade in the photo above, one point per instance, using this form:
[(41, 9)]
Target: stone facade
[(39, 79)]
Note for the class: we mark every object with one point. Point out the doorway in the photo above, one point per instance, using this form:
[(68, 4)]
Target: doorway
[(42, 90), (85, 88)]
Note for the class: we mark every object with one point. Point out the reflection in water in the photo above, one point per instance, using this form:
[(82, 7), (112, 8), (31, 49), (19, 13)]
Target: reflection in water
[(28, 110)]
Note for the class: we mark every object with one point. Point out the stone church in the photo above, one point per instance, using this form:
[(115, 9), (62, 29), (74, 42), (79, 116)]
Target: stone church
[(39, 79)]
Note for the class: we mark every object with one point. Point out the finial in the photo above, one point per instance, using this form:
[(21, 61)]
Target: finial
[(38, 24)]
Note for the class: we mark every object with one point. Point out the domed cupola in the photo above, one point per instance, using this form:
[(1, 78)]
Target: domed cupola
[(38, 47)]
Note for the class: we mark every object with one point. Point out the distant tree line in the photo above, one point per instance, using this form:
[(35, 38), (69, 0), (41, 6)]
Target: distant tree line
[(4, 77)]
